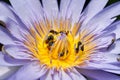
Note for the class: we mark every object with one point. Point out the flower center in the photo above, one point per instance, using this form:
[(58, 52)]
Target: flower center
[(59, 46)]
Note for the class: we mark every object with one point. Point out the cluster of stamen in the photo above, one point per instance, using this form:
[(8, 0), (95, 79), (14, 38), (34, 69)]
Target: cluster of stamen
[(60, 45), (63, 51)]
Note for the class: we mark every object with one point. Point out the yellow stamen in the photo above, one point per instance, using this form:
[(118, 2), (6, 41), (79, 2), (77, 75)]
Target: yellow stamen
[(59, 44)]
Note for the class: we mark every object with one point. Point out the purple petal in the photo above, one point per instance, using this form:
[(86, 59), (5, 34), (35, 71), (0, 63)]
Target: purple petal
[(5, 72), (56, 75), (47, 76), (64, 5), (99, 75), (6, 37), (114, 28), (16, 62), (6, 11), (115, 48), (27, 10), (30, 71), (94, 7), (50, 8), (13, 27), (104, 57), (101, 66), (3, 62), (104, 40), (60, 74), (103, 18), (18, 52), (74, 9), (113, 71), (75, 75)]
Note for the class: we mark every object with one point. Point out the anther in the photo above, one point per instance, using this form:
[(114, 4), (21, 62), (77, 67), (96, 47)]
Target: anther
[(79, 47)]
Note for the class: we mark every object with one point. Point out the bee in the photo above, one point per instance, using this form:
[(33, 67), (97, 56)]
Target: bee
[(50, 44), (49, 41), (53, 32), (118, 59), (2, 24), (49, 38), (80, 46), (65, 32), (112, 42), (61, 54)]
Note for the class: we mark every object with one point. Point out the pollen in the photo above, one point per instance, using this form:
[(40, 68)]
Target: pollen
[(59, 43)]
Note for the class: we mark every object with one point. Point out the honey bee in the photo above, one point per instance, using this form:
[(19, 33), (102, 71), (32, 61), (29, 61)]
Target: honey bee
[(118, 59), (61, 54), (50, 44), (112, 42), (49, 38), (65, 32), (80, 46), (53, 32), (49, 41)]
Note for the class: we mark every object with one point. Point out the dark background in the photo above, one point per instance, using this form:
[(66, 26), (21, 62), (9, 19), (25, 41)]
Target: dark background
[(87, 1)]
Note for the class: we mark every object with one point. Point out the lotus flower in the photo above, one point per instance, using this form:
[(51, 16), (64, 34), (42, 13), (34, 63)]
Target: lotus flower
[(44, 41)]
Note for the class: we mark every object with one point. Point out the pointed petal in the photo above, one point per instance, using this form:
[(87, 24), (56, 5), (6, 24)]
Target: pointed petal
[(64, 5), (66, 76), (6, 11), (5, 72), (33, 69), (50, 8), (113, 71), (6, 60), (114, 48), (114, 28), (75, 75), (104, 40), (6, 37), (94, 7), (12, 26), (103, 19), (101, 66), (47, 76), (17, 52), (28, 10), (74, 9), (104, 57)]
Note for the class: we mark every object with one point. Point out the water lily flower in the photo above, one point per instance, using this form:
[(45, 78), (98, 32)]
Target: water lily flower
[(47, 41)]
